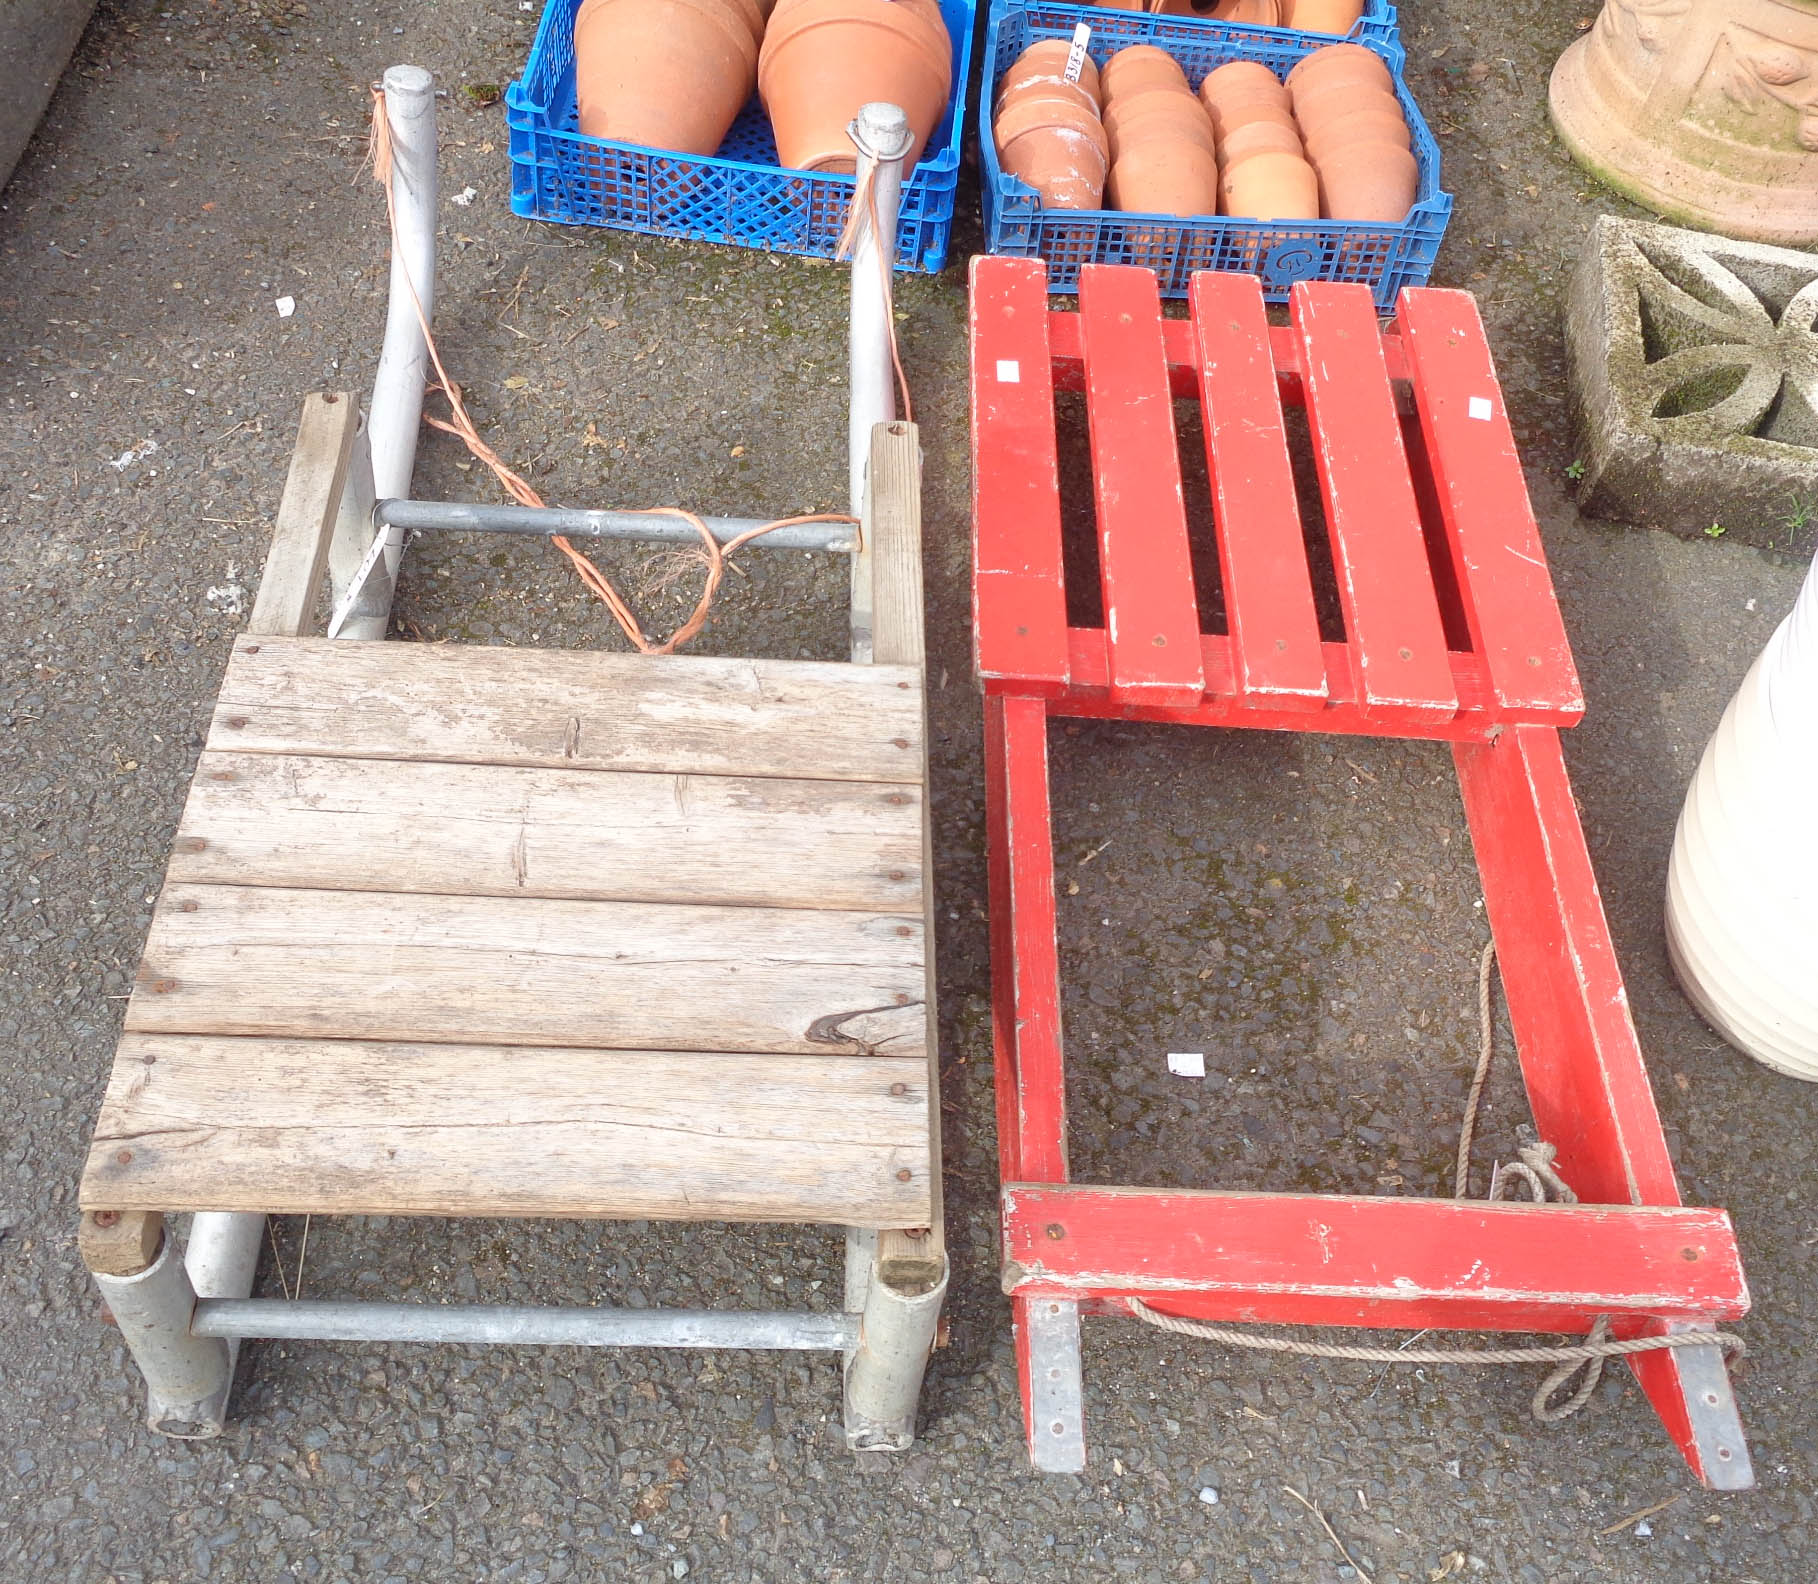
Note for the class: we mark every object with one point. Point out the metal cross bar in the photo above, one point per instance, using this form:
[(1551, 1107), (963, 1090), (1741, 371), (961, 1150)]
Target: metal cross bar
[(509, 1323), (466, 517)]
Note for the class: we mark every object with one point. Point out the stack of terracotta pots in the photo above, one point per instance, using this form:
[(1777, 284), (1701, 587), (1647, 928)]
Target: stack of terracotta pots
[(674, 74), (1264, 173), (669, 74), (1048, 129), (823, 59), (1356, 135), (1163, 154)]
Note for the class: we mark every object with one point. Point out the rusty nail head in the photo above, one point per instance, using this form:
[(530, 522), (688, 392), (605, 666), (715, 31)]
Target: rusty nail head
[(163, 986), (236, 721), (125, 1157), (1689, 1254), (904, 1174), (250, 649), (186, 907), (196, 844), (903, 929), (899, 742), (107, 1218), (1056, 1231), (896, 874), (330, 398), (899, 1088)]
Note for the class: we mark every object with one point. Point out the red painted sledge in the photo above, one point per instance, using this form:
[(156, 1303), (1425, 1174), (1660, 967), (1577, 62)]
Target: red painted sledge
[(1452, 633)]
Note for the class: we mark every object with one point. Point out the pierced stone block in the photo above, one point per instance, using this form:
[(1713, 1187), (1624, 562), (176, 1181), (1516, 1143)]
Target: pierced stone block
[(1694, 366)]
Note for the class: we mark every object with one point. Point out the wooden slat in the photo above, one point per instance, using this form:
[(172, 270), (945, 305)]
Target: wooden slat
[(1019, 596), (1385, 584), (1025, 962), (344, 1127), (516, 971), (1331, 1259), (684, 714), (1586, 1080), (1495, 543), (1274, 628), (1145, 563), (286, 601), (287, 820), (893, 527)]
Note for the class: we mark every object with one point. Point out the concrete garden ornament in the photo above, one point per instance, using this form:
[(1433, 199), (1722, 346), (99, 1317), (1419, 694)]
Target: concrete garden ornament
[(1706, 111), (1694, 364)]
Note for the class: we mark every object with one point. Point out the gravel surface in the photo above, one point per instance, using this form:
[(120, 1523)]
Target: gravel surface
[(1304, 910)]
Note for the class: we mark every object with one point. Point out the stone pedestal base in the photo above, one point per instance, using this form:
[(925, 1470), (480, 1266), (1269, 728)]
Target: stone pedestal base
[(1705, 111)]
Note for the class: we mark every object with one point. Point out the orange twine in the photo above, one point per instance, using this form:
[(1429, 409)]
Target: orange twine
[(717, 556)]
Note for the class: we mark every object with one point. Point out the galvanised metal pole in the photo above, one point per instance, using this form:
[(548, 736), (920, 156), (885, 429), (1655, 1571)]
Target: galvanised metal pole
[(578, 523), (397, 392), (882, 136), (325, 1321)]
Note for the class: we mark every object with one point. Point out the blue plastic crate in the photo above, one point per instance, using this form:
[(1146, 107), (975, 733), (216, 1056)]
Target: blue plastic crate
[(739, 195), (1383, 257)]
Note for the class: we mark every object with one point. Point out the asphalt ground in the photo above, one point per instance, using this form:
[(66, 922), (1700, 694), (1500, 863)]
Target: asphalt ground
[(1304, 909)]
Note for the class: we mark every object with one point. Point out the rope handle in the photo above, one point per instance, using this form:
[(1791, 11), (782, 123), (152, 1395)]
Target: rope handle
[(1571, 1360)]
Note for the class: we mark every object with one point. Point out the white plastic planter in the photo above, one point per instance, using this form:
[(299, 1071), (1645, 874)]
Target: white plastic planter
[(1742, 886)]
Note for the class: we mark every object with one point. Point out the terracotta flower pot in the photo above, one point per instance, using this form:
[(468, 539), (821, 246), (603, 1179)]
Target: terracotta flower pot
[(1271, 187), (1237, 80), (1322, 16), (823, 59), (1057, 149), (1176, 107), (1360, 126), (1059, 105), (1258, 137), (1046, 61), (1140, 66), (1265, 12), (1043, 89), (1172, 176), (1353, 59), (1371, 181), (668, 74), (1333, 97), (1227, 118), (1161, 122)]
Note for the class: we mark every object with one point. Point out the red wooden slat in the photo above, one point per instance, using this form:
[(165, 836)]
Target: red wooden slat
[(1337, 1260), (1090, 696), (1391, 615), (1503, 579), (1587, 1084), (1018, 591), (1025, 963), (1268, 590), (1145, 564)]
